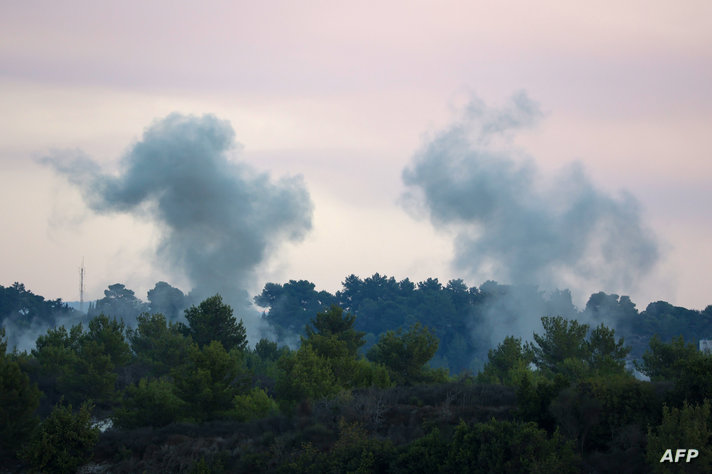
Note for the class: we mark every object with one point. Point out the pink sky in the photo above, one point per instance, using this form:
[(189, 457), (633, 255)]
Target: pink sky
[(344, 93)]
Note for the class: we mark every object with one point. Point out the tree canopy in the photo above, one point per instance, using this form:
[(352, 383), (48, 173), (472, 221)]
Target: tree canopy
[(213, 320), (331, 333), (406, 353), (316, 403), (567, 348)]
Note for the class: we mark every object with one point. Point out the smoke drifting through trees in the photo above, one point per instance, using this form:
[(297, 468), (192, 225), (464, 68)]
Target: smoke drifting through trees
[(509, 224), (219, 218)]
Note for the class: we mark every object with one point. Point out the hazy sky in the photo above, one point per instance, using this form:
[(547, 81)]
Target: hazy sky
[(347, 94)]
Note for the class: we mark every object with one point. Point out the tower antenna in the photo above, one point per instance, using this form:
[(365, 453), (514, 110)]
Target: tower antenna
[(81, 287)]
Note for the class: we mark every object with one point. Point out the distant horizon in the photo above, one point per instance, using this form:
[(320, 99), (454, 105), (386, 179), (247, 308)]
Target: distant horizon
[(641, 307)]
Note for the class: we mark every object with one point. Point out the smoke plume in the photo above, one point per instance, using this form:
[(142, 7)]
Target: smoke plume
[(218, 217), (513, 224)]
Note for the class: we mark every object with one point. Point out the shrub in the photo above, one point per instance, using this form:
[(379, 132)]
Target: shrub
[(686, 427), (64, 440), (253, 405), (149, 403)]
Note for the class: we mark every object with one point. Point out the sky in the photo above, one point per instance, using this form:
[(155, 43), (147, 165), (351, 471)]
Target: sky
[(337, 108)]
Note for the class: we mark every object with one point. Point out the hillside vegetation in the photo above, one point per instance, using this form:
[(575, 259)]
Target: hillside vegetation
[(386, 377)]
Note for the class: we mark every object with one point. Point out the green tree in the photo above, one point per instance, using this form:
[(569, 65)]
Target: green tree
[(213, 320), (608, 414), (332, 334), (24, 308), (151, 402), (405, 354), (426, 454), (82, 365), (158, 344), (353, 452), (252, 405), (686, 427), (92, 377), (506, 362), (92, 374), (327, 361), (304, 376), (118, 302), (562, 339), (262, 361), (504, 446), (354, 373), (605, 354), (662, 361), (577, 411), (694, 382), (57, 348), (566, 349), (167, 300), (535, 392), (292, 305), (109, 335), (332, 337), (210, 380), (18, 401), (668, 322), (64, 440), (267, 350), (56, 352)]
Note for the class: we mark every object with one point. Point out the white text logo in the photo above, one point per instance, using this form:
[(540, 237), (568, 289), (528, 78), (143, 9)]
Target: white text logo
[(686, 454)]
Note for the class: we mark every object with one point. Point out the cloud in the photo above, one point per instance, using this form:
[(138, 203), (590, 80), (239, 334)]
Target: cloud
[(219, 219), (515, 225)]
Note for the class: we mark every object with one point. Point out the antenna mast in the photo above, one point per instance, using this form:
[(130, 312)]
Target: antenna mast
[(81, 286)]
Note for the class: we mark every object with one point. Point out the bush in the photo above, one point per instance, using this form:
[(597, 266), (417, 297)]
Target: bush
[(253, 405), (405, 354), (64, 440), (149, 403), (503, 446), (688, 427), (352, 452)]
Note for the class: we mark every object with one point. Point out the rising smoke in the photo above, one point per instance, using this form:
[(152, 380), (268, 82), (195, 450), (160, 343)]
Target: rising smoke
[(219, 219), (514, 225)]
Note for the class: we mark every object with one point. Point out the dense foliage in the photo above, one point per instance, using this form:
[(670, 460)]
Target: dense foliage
[(367, 389), (469, 321), (20, 305), (64, 441)]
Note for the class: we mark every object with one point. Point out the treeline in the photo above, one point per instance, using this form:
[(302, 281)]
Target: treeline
[(189, 394), (193, 396), (468, 320), (160, 373), (26, 315), (22, 308)]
